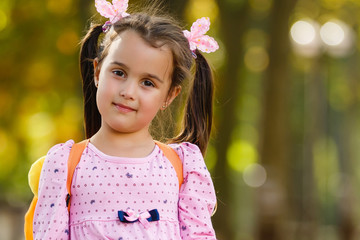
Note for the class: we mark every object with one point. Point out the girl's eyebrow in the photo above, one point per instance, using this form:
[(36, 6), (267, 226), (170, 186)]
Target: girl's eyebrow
[(154, 77), (147, 74), (119, 64)]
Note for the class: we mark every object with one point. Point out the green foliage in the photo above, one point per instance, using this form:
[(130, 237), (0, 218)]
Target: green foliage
[(40, 86)]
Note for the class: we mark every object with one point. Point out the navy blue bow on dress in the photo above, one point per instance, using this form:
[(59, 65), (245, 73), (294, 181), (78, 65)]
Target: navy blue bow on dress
[(145, 217)]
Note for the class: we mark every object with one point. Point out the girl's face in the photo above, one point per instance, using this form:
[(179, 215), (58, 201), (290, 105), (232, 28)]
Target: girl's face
[(133, 83)]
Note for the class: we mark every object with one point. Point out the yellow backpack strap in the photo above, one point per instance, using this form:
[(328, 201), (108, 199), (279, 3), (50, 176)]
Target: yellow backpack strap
[(174, 160), (34, 175), (74, 158)]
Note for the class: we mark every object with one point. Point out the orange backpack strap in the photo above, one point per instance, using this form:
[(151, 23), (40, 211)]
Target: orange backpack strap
[(29, 217), (174, 159), (73, 160)]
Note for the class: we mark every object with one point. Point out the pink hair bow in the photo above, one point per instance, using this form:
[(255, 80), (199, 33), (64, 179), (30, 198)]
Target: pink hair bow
[(198, 39), (114, 12)]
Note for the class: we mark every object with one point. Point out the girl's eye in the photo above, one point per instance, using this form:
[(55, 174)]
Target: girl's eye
[(148, 83), (119, 73)]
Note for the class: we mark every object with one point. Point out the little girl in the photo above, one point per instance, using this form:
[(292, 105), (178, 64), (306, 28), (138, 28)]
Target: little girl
[(132, 67)]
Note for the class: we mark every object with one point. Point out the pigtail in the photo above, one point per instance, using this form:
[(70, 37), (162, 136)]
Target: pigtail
[(89, 51), (197, 120)]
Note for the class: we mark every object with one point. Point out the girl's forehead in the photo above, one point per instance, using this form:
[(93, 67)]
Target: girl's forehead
[(133, 51)]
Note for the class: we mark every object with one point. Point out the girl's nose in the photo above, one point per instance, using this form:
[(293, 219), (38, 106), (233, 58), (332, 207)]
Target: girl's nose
[(128, 89)]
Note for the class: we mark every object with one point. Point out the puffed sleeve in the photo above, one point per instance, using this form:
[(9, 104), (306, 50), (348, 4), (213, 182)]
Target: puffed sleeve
[(197, 197), (51, 217)]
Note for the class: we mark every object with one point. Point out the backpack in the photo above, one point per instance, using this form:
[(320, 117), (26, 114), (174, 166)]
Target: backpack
[(73, 160)]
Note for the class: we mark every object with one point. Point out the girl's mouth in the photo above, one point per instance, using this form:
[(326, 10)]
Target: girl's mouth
[(123, 108)]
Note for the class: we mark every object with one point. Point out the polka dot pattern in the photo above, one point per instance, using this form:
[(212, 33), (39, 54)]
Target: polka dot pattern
[(102, 185)]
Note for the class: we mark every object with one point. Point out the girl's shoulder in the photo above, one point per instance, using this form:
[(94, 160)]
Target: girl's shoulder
[(186, 150), (61, 147), (192, 160), (185, 146)]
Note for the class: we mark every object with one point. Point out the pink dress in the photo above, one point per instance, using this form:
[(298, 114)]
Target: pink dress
[(103, 185)]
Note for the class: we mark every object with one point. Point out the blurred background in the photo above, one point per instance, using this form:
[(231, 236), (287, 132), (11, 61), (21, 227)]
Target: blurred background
[(284, 153)]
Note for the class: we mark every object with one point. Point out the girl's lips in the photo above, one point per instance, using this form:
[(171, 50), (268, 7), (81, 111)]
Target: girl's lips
[(123, 108)]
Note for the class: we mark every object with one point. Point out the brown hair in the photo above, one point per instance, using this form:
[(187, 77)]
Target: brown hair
[(157, 31)]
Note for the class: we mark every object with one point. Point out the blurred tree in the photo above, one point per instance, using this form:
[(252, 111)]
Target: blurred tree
[(308, 131), (233, 20), (273, 201), (340, 124)]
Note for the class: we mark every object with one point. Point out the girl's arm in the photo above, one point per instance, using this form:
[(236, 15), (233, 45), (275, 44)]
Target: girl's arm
[(197, 195), (51, 217)]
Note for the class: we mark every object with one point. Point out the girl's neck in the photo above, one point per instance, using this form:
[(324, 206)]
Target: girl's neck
[(134, 145)]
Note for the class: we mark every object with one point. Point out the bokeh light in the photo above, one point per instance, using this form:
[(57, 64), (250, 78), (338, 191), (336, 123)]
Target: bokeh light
[(303, 32), (199, 8), (254, 175), (39, 125), (241, 154), (332, 33), (305, 38), (40, 133), (3, 20), (334, 37), (338, 38), (256, 59)]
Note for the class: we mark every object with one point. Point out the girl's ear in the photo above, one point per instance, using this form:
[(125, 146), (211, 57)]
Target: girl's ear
[(172, 95), (96, 71)]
